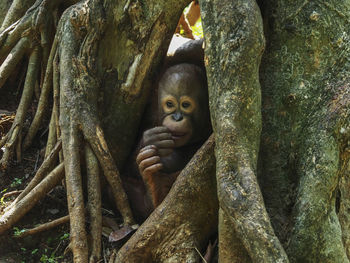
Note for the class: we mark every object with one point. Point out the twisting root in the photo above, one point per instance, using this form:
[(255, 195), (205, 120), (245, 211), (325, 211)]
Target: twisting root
[(16, 212), (43, 101), (45, 227), (110, 170), (79, 84), (12, 60), (94, 203), (12, 35), (38, 20), (71, 144), (26, 99)]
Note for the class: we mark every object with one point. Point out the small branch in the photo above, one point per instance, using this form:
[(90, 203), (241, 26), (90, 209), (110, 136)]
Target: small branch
[(94, 203), (44, 227), (15, 213), (9, 194), (298, 10), (12, 60), (54, 125), (200, 254)]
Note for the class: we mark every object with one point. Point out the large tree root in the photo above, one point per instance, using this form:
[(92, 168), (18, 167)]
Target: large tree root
[(68, 69), (236, 113), (16, 41), (17, 9), (94, 203), (79, 125), (14, 135), (71, 144), (44, 98), (19, 36), (12, 60), (185, 219)]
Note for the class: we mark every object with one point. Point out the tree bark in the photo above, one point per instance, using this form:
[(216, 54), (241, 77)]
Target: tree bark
[(304, 74), (234, 43), (101, 74)]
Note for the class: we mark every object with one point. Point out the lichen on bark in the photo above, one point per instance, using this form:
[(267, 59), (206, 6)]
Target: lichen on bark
[(102, 64), (234, 43), (305, 71)]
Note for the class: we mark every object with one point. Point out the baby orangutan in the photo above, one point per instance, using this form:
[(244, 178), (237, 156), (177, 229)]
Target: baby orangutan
[(184, 124)]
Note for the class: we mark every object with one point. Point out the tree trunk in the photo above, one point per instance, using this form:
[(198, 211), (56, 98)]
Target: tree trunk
[(281, 150), (232, 62), (90, 78), (305, 91)]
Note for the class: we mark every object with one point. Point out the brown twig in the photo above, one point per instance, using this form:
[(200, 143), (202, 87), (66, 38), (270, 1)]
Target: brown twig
[(44, 227), (9, 194)]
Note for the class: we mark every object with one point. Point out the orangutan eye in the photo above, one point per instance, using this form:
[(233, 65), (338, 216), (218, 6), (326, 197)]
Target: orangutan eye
[(169, 104), (185, 104)]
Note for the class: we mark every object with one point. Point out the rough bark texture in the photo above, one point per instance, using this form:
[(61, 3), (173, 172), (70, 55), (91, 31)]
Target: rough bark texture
[(305, 135), (84, 63), (100, 69), (185, 219), (234, 43), (4, 6)]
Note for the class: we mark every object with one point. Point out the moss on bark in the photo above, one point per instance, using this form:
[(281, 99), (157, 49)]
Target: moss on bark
[(234, 43), (304, 68)]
